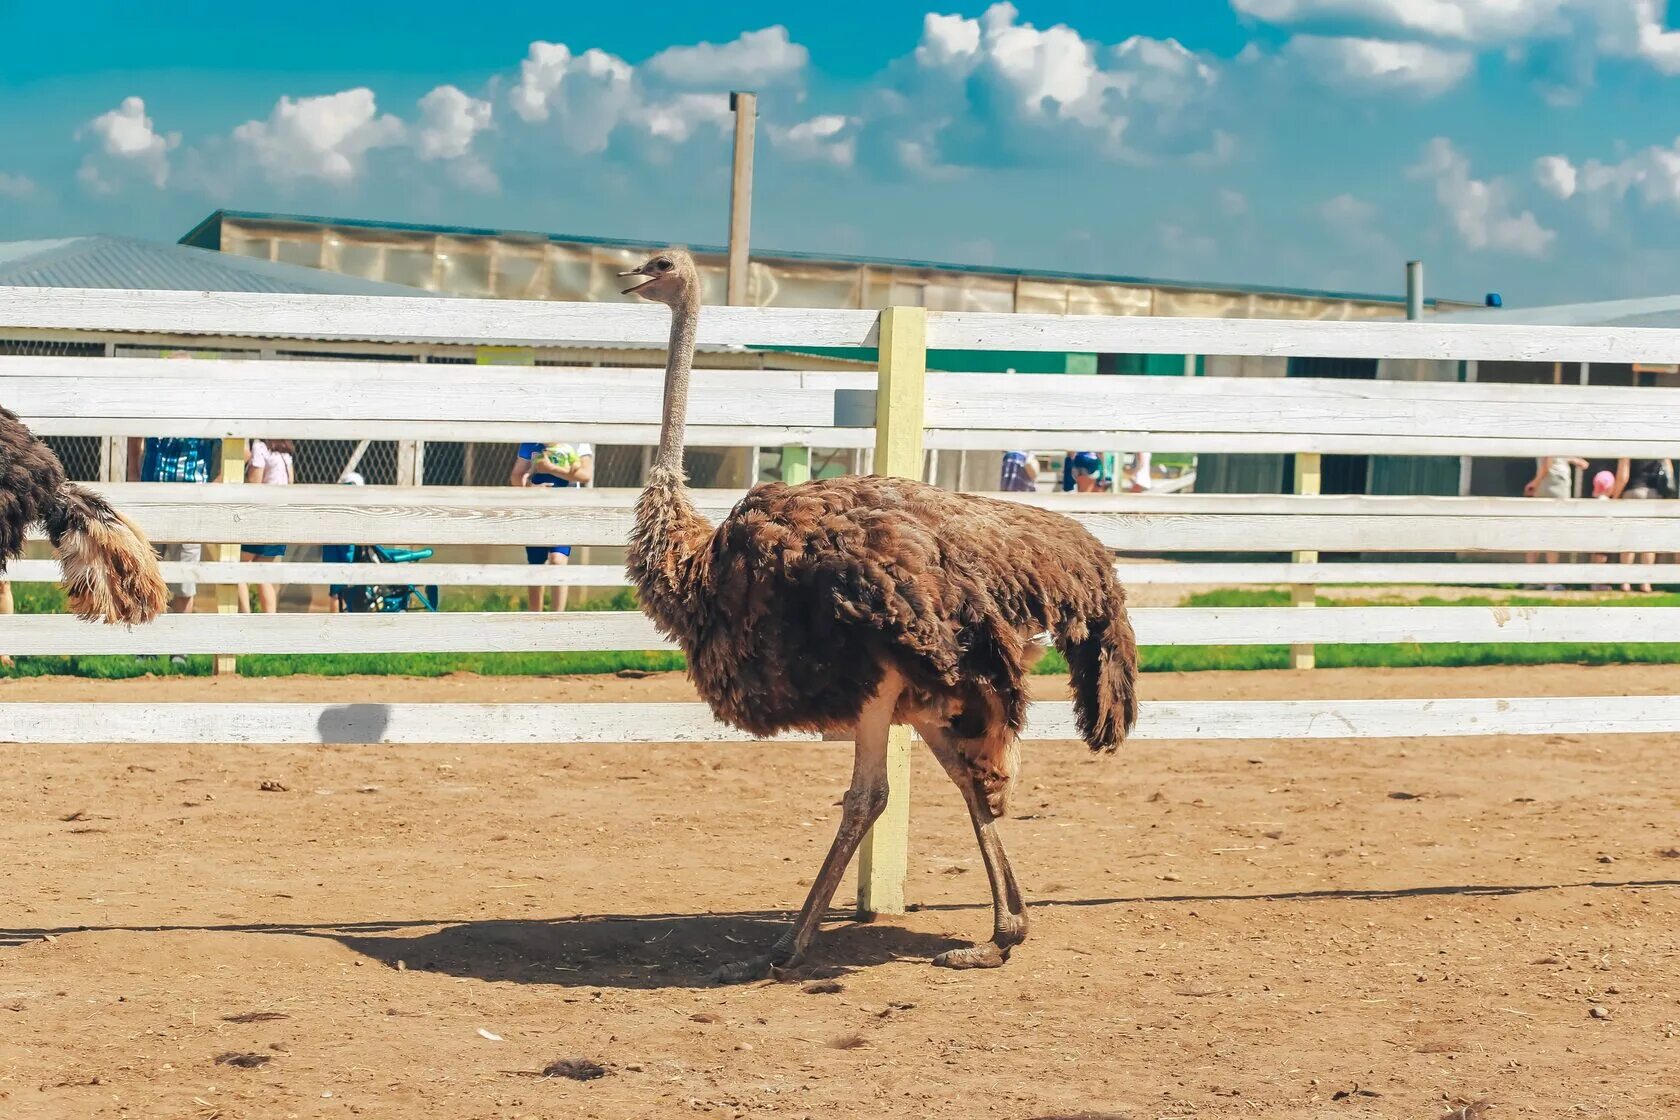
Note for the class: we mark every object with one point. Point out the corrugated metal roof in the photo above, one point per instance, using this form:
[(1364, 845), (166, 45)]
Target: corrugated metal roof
[(1653, 311), (104, 261), (205, 234)]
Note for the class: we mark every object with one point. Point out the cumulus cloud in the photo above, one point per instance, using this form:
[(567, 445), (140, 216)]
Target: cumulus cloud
[(826, 139), (449, 120), (1480, 209), (999, 90), (16, 186), (1651, 175), (128, 144), (1561, 33), (762, 57), (1556, 176), (1378, 65), (324, 138)]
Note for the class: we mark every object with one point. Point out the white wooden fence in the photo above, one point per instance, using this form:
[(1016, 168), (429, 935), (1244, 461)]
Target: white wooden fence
[(235, 399)]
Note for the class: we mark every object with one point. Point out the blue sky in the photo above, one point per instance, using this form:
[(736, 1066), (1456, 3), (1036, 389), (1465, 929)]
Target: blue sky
[(1523, 146)]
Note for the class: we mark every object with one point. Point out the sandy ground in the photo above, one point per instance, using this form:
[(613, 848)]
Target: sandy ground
[(1329, 929)]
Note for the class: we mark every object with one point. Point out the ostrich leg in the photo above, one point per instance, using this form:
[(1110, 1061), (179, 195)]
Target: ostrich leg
[(861, 805), (1009, 912)]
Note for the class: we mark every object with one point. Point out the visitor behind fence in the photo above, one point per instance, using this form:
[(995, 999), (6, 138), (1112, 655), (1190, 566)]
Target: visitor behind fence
[(552, 464), (1643, 479), (1020, 472), (340, 554), (179, 459), (1082, 471), (1554, 478), (267, 463)]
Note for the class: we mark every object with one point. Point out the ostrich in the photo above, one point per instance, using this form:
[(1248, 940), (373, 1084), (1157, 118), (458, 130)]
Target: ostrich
[(850, 604), (109, 571)]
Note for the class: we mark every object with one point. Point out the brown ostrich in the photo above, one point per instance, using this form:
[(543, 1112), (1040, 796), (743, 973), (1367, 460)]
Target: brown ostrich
[(110, 572), (850, 604)]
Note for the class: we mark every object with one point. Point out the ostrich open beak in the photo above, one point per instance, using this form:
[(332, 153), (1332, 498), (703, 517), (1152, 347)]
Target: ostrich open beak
[(646, 278)]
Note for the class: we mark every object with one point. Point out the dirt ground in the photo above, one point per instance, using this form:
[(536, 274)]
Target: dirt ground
[(1325, 929)]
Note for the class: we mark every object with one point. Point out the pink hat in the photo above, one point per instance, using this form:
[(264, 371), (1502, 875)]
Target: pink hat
[(1603, 483)]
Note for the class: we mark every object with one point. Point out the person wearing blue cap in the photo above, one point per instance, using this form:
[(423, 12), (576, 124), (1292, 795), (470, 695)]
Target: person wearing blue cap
[(1082, 471)]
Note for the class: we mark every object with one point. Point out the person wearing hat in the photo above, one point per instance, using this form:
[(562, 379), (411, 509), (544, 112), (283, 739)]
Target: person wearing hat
[(1082, 471)]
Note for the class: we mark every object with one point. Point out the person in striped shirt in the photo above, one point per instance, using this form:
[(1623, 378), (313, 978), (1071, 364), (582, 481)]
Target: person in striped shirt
[(180, 459)]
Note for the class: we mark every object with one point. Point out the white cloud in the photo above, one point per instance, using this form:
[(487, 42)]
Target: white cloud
[(449, 120), (326, 138), (762, 57), (593, 95), (1556, 176), (1615, 28), (16, 186), (128, 143), (1233, 204), (1652, 175), (826, 139), (1480, 209), (1464, 20), (1377, 65), (998, 90), (588, 94)]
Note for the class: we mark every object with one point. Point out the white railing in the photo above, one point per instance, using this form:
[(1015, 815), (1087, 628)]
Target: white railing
[(136, 397)]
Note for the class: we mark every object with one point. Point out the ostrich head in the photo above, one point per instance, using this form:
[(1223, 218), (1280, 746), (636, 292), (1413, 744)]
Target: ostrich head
[(668, 277)]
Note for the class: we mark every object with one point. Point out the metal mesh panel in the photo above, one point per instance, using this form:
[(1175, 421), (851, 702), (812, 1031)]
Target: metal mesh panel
[(79, 454), (51, 348), (467, 464)]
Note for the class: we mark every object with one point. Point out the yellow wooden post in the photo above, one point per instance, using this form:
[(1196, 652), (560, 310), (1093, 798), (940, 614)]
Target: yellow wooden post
[(1308, 480), (884, 858), (796, 465), (227, 594)]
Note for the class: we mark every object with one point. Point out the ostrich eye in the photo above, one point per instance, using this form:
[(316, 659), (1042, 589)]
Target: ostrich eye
[(663, 265)]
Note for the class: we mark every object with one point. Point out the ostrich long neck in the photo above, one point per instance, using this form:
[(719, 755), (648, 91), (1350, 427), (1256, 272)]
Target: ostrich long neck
[(685, 319), (667, 559)]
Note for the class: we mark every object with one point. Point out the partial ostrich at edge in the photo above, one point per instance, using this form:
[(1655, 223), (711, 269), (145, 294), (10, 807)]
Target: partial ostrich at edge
[(850, 604), (109, 571)]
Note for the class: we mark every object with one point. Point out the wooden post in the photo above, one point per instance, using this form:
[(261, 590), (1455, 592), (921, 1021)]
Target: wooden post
[(227, 594), (796, 465), (884, 858), (745, 108), (1308, 480)]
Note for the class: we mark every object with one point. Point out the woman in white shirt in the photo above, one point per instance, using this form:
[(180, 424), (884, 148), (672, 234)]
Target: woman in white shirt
[(269, 463)]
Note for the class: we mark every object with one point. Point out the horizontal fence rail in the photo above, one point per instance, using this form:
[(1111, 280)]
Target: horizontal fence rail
[(1128, 523), (1258, 574), (485, 322), (462, 631), (550, 724), (79, 396)]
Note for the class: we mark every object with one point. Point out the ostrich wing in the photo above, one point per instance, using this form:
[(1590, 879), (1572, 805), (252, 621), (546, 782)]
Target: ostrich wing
[(817, 588)]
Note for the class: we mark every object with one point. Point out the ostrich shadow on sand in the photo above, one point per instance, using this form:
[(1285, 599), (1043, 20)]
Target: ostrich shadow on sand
[(612, 951)]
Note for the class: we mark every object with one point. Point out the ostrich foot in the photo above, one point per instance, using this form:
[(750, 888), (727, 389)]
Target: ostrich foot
[(987, 954)]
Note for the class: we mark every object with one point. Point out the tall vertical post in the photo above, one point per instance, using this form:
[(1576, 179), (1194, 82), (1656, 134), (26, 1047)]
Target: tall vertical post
[(1309, 479), (884, 858), (1414, 290), (796, 465), (229, 594), (745, 108)]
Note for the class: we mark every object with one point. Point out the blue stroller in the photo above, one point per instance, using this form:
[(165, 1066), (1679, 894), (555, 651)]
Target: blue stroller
[(386, 597)]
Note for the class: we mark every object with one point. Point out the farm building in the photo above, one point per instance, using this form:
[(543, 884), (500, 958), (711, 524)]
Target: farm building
[(482, 262)]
